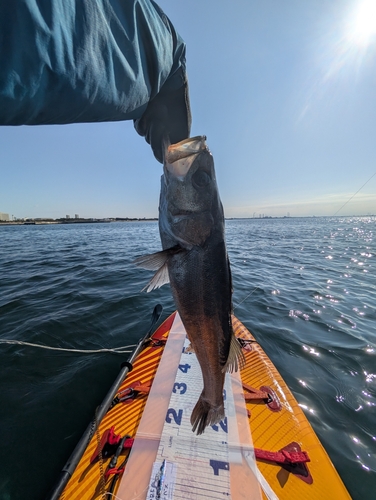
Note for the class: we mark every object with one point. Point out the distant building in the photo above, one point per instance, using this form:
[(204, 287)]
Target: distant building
[(76, 216), (67, 216), (4, 216)]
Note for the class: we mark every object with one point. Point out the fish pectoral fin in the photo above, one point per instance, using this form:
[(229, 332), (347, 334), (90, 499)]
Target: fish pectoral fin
[(159, 279), (153, 261), (157, 262), (236, 358)]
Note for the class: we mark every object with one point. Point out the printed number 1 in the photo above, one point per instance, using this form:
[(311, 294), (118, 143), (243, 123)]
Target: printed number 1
[(217, 465)]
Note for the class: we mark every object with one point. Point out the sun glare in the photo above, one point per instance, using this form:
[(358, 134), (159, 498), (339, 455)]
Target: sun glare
[(363, 22)]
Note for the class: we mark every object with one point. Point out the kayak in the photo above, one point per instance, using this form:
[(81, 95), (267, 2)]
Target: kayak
[(140, 442)]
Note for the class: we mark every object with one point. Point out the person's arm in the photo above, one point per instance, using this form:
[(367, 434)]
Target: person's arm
[(168, 115), (74, 61)]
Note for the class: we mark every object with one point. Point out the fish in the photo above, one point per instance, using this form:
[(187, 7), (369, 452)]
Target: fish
[(195, 262)]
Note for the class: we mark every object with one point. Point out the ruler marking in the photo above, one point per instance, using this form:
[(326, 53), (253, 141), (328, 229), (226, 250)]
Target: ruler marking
[(201, 461)]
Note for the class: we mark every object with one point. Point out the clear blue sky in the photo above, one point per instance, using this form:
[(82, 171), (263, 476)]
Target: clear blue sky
[(285, 92)]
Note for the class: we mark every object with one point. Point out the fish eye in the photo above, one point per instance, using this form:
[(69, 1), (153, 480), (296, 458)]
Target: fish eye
[(201, 179)]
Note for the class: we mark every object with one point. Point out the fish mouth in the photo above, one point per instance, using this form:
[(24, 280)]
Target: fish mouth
[(180, 156)]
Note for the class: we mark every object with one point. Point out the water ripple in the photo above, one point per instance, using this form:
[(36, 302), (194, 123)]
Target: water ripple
[(305, 287)]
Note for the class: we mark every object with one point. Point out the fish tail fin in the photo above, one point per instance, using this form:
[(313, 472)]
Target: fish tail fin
[(204, 414), (236, 358)]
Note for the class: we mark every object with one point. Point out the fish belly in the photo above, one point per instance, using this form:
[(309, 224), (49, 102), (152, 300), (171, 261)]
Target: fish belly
[(202, 291)]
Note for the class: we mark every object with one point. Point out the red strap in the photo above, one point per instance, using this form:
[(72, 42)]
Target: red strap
[(110, 438), (113, 471), (253, 393), (266, 393), (158, 342), (128, 443), (145, 388), (136, 386), (283, 456), (127, 395)]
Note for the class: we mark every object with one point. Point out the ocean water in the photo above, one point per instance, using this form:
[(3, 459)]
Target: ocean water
[(306, 288)]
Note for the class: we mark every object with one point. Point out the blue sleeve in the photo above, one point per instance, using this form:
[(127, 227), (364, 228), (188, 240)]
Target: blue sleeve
[(70, 61)]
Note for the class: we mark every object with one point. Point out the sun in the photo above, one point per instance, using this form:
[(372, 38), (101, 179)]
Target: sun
[(362, 26)]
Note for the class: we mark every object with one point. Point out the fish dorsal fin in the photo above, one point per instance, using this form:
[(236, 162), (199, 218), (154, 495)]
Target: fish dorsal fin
[(157, 261), (236, 358)]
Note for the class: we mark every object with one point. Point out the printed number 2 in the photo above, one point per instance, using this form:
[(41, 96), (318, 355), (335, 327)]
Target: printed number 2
[(222, 424), (180, 388), (171, 414), (184, 368)]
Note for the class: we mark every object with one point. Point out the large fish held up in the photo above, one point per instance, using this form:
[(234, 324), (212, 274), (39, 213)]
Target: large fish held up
[(194, 260)]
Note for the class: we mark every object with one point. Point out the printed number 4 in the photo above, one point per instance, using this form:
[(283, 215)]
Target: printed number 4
[(184, 368), (173, 415)]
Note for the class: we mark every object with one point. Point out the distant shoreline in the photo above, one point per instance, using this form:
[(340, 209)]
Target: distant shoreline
[(40, 221)]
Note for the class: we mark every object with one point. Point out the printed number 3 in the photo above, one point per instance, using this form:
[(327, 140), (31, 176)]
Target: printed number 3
[(182, 387)]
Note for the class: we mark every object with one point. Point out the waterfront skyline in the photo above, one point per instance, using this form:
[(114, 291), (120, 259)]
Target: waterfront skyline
[(284, 93)]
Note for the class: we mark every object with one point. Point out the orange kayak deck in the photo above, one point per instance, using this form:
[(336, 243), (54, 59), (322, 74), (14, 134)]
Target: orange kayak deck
[(281, 435)]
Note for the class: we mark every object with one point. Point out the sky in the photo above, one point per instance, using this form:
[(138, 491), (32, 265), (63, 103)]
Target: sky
[(285, 93)]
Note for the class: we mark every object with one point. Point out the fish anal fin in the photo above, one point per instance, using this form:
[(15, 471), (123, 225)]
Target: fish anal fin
[(236, 358)]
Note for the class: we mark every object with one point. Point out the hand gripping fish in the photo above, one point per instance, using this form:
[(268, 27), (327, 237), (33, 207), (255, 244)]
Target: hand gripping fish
[(194, 260)]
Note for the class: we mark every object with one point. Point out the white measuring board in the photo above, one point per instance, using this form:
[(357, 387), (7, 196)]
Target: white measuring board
[(201, 462), (218, 464)]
